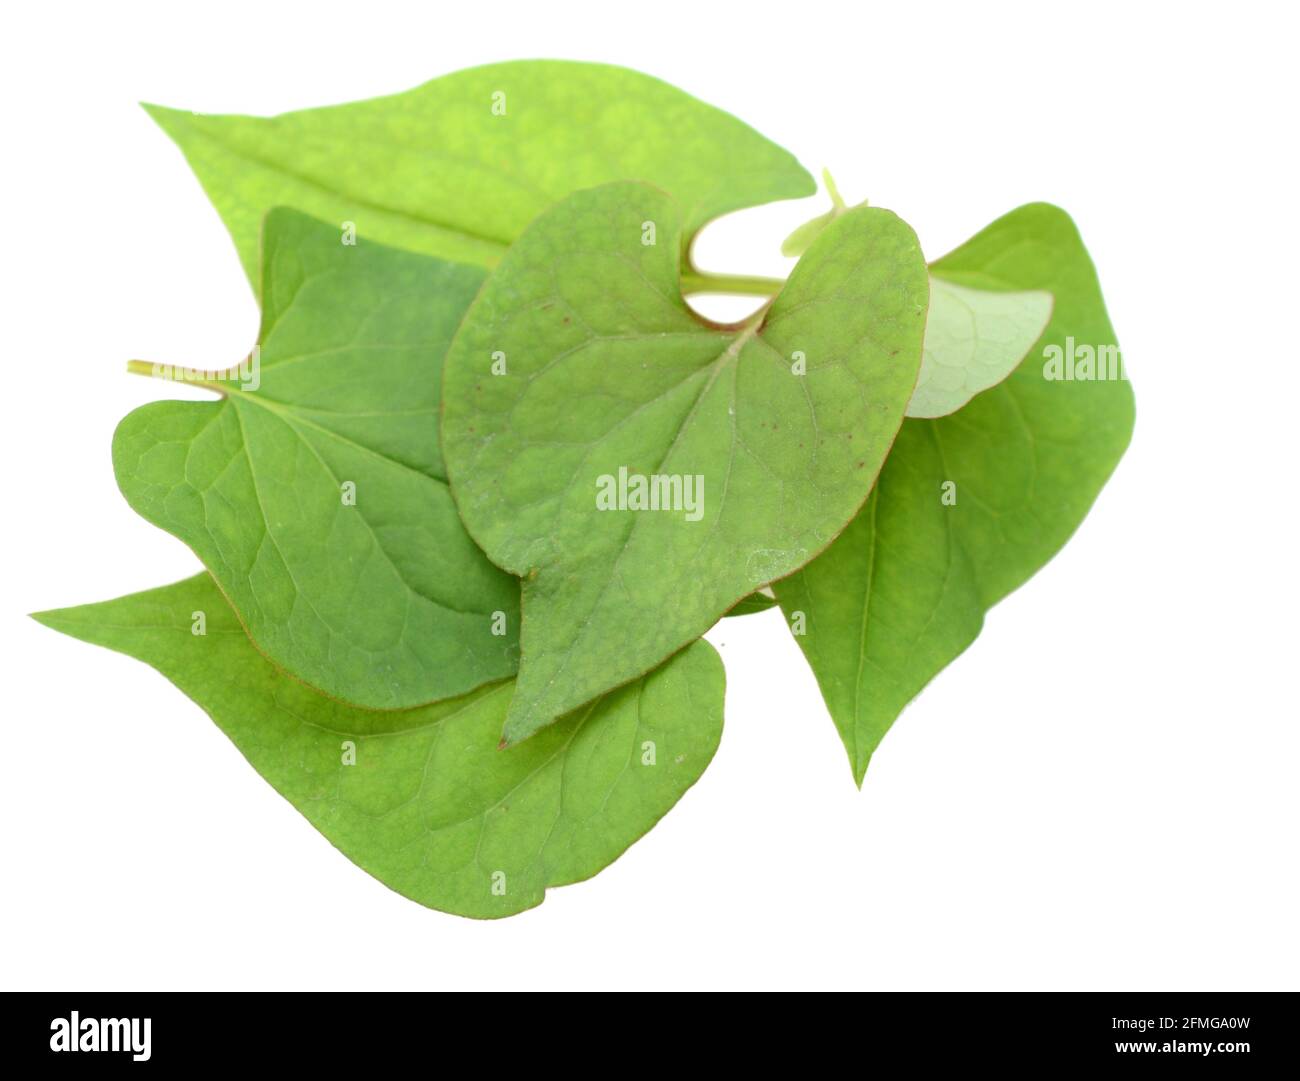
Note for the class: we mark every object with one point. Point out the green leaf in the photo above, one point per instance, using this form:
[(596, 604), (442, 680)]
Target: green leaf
[(801, 239), (314, 490), (973, 340), (428, 805), (458, 166), (755, 602), (904, 589), (609, 376)]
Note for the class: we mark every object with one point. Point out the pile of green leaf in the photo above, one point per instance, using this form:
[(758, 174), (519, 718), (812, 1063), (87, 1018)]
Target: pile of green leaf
[(415, 621)]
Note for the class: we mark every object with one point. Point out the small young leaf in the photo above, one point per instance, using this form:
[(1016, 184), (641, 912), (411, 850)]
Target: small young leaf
[(422, 799), (973, 339), (458, 166), (968, 506), (581, 392), (314, 491), (801, 239)]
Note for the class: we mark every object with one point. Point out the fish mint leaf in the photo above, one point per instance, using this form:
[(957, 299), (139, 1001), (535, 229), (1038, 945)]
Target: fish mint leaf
[(968, 506), (458, 166), (642, 469), (422, 799), (314, 490)]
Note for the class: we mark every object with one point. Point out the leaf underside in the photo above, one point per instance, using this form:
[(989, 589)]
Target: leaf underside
[(974, 339), (428, 805), (374, 593), (904, 589), (608, 374)]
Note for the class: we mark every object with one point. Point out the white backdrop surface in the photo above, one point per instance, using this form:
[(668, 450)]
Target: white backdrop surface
[(1100, 794)]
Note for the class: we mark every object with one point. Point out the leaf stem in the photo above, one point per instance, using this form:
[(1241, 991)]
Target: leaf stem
[(744, 285), (209, 380), (837, 201)]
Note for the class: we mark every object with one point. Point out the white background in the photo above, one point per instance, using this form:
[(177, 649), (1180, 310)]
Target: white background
[(1100, 794)]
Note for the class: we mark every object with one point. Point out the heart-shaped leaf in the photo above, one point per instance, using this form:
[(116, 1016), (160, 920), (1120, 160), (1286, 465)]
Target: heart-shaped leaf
[(422, 799), (970, 505), (314, 489), (457, 167), (644, 470)]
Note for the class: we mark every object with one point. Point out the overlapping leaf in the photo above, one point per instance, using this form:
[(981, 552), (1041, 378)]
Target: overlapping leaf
[(904, 589), (314, 491), (753, 604), (974, 338), (580, 368), (422, 799), (459, 166)]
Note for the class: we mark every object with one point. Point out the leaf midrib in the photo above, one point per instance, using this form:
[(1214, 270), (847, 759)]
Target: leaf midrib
[(292, 416), (379, 546), (730, 356)]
